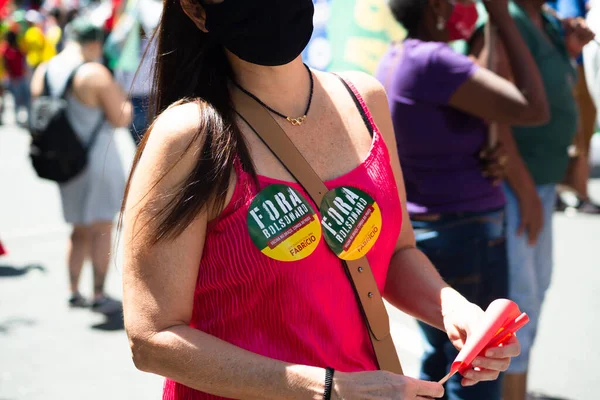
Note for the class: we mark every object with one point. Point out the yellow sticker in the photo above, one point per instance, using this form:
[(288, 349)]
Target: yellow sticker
[(282, 224), (352, 222)]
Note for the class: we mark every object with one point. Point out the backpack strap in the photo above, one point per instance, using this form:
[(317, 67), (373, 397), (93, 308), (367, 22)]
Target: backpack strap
[(46, 91), (64, 94), (69, 84)]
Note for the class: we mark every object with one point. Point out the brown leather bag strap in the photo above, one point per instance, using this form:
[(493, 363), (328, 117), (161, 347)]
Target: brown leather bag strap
[(358, 271)]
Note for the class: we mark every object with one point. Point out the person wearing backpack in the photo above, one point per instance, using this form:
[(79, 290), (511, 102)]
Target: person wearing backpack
[(94, 106)]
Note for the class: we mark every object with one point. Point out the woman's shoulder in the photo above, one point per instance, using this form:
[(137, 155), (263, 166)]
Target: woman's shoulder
[(367, 86), (370, 90), (172, 144), (374, 96), (178, 127), (180, 132), (94, 74)]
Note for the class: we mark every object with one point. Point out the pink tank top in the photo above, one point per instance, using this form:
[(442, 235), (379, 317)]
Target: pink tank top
[(301, 312)]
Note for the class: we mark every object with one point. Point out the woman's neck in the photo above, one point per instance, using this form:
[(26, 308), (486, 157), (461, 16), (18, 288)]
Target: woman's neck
[(72, 50), (284, 88)]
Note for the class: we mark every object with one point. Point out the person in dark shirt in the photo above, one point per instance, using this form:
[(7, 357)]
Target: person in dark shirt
[(573, 12)]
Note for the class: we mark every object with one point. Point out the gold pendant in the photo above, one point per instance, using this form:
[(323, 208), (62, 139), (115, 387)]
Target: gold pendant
[(297, 121)]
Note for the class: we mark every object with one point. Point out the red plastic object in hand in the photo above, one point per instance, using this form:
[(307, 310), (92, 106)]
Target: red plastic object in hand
[(501, 321)]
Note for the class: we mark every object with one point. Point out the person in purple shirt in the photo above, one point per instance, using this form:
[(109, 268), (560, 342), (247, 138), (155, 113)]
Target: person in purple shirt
[(441, 105)]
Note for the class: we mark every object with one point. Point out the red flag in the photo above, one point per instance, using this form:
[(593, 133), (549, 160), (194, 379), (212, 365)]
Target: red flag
[(3, 8), (501, 321)]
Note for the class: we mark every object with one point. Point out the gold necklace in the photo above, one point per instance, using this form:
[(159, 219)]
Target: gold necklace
[(294, 121)]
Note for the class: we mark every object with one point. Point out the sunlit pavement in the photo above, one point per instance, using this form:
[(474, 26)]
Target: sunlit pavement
[(50, 352)]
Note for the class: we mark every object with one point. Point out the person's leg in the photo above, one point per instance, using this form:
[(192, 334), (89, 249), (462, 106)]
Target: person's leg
[(13, 90), (2, 84), (26, 95), (578, 174), (21, 102), (587, 110), (78, 248), (544, 248), (101, 240), (466, 250), (522, 290), (491, 268), (433, 360), (431, 239), (100, 252)]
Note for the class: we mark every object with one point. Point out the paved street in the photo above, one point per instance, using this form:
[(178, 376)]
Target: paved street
[(50, 352)]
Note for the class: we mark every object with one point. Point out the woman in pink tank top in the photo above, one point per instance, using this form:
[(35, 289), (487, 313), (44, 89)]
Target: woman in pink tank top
[(234, 285)]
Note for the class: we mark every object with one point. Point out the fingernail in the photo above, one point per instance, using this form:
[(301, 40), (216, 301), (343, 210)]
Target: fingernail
[(490, 353), (476, 362)]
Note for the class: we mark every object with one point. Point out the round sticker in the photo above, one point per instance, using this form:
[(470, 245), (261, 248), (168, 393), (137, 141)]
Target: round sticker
[(282, 224), (352, 222)]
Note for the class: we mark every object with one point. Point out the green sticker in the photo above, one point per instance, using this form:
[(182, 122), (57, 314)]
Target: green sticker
[(282, 224), (352, 222)]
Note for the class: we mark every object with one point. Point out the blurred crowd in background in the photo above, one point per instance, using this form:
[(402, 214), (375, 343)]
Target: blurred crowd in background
[(34, 32)]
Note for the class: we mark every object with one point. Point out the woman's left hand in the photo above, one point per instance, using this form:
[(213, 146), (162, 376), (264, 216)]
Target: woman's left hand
[(494, 163), (486, 367)]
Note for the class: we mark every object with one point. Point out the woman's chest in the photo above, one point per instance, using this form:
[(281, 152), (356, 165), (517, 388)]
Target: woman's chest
[(276, 233), (333, 143), (243, 257)]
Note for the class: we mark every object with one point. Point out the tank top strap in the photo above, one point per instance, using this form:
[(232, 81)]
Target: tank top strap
[(361, 106)]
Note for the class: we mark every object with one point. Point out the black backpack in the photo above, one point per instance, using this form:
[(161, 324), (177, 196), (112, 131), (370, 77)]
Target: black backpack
[(56, 151)]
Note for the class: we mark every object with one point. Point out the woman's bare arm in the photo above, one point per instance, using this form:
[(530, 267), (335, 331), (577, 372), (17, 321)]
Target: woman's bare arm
[(95, 86), (492, 97), (159, 282)]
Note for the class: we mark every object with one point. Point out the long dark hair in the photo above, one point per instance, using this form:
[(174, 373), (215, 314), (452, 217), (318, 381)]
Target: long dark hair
[(409, 13), (191, 67)]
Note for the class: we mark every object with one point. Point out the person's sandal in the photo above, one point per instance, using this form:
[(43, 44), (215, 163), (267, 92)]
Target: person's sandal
[(78, 301), (588, 207), (107, 305)]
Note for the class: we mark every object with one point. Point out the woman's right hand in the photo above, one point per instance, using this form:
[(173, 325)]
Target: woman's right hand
[(382, 385)]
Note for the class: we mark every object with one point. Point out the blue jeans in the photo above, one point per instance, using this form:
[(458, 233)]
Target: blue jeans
[(140, 123), (530, 268), (19, 88), (469, 251)]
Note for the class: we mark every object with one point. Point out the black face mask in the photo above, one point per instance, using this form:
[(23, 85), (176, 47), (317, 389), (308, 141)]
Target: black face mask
[(263, 32)]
